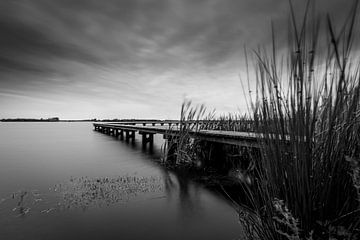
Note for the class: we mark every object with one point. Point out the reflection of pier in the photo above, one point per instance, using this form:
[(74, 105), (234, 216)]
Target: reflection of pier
[(171, 130)]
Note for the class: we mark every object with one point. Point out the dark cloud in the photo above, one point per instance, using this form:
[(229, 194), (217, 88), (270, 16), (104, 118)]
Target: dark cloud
[(72, 45), (100, 32), (24, 46)]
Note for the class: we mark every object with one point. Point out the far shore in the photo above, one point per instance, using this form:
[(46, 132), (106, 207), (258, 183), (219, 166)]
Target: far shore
[(76, 120)]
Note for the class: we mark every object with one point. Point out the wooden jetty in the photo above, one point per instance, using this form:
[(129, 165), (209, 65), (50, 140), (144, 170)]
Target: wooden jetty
[(171, 130), (213, 140)]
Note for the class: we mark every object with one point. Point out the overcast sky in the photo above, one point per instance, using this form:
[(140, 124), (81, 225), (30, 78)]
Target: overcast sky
[(131, 59)]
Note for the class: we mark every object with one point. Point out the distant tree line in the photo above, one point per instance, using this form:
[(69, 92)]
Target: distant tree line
[(53, 119), (56, 119)]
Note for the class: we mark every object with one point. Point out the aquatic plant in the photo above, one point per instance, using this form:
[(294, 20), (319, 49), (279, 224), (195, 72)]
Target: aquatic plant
[(182, 149), (83, 193), (307, 113), (186, 151), (308, 173)]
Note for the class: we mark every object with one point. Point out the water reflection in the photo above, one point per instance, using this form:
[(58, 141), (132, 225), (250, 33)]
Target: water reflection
[(185, 191), (85, 192), (109, 203)]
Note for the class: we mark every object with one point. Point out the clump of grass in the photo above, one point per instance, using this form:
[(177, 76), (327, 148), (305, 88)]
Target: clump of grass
[(308, 114), (195, 153), (185, 147), (230, 122)]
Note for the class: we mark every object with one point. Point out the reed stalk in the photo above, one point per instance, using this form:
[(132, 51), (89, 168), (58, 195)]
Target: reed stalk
[(308, 173)]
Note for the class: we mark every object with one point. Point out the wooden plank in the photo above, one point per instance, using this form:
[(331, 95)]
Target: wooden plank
[(226, 137)]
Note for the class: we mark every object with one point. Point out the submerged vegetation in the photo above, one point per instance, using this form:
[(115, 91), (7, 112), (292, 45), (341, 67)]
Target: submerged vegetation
[(83, 193), (306, 175)]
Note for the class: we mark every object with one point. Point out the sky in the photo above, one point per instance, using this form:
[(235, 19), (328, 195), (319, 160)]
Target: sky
[(77, 59)]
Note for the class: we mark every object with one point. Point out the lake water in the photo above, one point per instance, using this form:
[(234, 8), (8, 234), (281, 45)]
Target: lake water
[(66, 181)]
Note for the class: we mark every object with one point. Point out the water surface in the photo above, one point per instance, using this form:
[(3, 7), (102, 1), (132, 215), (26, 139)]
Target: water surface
[(66, 181)]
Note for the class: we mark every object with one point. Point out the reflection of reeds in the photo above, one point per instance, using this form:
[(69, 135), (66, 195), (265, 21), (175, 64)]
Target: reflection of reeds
[(307, 185)]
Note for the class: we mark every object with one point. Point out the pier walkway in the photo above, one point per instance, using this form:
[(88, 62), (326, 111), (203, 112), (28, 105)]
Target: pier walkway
[(171, 129)]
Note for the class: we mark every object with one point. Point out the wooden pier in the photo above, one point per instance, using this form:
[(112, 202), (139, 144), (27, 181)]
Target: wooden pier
[(171, 129)]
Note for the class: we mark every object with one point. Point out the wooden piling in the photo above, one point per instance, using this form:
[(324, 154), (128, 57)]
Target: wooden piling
[(147, 138), (130, 135), (121, 134)]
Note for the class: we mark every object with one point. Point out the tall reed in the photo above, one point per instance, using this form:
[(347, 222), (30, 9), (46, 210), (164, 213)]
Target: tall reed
[(308, 114), (190, 151)]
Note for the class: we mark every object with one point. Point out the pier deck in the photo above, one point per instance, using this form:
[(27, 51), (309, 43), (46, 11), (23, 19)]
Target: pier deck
[(171, 129)]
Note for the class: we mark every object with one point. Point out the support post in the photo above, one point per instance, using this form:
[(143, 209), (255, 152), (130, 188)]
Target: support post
[(151, 141), (147, 138), (121, 134), (143, 139), (130, 135)]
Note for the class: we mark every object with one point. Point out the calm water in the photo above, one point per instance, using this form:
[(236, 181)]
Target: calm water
[(66, 181)]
